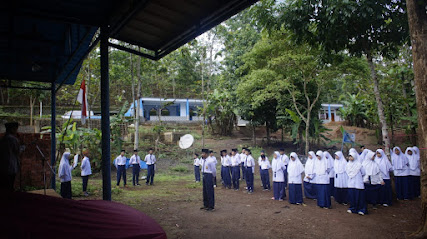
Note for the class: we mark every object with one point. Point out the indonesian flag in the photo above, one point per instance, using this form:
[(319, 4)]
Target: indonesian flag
[(82, 99)]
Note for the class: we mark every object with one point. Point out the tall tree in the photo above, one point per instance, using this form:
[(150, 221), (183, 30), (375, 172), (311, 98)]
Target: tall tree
[(417, 16)]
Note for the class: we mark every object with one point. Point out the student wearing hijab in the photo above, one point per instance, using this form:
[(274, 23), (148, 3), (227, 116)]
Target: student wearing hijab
[(196, 164), (225, 166), (341, 179), (309, 188), (372, 179), (208, 170), (322, 180), (64, 173), (250, 167), (277, 168), (363, 155), (295, 169), (414, 172), (401, 171), (385, 192), (417, 183), (331, 173), (86, 171), (356, 188), (285, 160), (353, 150), (235, 169), (264, 166)]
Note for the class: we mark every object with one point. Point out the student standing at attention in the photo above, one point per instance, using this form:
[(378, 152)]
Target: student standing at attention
[(372, 179), (262, 154), (295, 169), (331, 173), (151, 162), (341, 178), (196, 164), (235, 169), (414, 172), (322, 181), (208, 170), (309, 187), (249, 166), (225, 169), (401, 171), (135, 160), (121, 167), (242, 162), (264, 166), (285, 160), (356, 188), (86, 170), (385, 193), (213, 158), (277, 167)]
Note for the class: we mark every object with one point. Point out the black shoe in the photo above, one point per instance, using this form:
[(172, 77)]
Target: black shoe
[(210, 209), (203, 208)]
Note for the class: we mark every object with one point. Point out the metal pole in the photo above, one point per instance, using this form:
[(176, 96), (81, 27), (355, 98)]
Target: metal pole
[(105, 116), (53, 135)]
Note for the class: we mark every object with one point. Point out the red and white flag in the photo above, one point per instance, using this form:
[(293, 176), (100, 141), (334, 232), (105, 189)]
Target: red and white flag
[(82, 99)]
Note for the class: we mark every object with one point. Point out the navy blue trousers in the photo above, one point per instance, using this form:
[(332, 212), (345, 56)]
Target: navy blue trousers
[(357, 200), (66, 190), (243, 172), (331, 187), (225, 172), (340, 195), (235, 175), (150, 174), (414, 186), (323, 198), (135, 174), (285, 173), (197, 173), (295, 193), (278, 190), (121, 172), (385, 193), (85, 180), (372, 193), (310, 190), (208, 191), (265, 178), (249, 179), (402, 187)]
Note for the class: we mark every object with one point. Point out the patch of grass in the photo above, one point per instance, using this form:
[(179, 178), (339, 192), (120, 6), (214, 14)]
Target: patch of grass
[(194, 185), (180, 169)]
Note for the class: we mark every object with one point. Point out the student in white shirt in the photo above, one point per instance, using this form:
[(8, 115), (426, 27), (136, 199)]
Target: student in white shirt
[(277, 167), (242, 162), (250, 167), (86, 171), (259, 164), (417, 172), (208, 170), (322, 180), (120, 162), (385, 192), (135, 161), (235, 169), (151, 161), (64, 173), (372, 179), (330, 160), (414, 171), (356, 188), (341, 179), (401, 173), (196, 164), (309, 187), (264, 166), (285, 160), (225, 169), (213, 158), (295, 170)]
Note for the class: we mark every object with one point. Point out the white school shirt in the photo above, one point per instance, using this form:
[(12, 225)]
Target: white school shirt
[(264, 164), (242, 158), (121, 160), (135, 159), (357, 181), (208, 165), (277, 168), (226, 161), (64, 171), (400, 163), (86, 169), (150, 159), (235, 160), (250, 162), (284, 159), (196, 162)]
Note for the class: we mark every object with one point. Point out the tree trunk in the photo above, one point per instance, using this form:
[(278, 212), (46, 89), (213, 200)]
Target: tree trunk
[(418, 31), (253, 135), (307, 127), (384, 127), (138, 96), (87, 92)]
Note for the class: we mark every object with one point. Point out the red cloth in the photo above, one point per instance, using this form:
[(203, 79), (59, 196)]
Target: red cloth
[(26, 215)]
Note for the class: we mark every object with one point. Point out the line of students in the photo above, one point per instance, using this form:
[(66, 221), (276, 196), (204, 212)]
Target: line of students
[(363, 179), (135, 160)]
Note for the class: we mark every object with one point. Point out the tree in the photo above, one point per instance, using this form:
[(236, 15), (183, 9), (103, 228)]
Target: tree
[(417, 16), (373, 28)]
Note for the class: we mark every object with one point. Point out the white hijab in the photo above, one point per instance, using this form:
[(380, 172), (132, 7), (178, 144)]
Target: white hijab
[(362, 156), (369, 164), (320, 165), (399, 161), (309, 164), (295, 167), (353, 167), (412, 159), (329, 159), (357, 158), (64, 164), (340, 163), (417, 151), (383, 162), (276, 162)]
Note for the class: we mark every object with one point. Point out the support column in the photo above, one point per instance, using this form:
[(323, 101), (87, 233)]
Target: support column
[(53, 135), (105, 116)]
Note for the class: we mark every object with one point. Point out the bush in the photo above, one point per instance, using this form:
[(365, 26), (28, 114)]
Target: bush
[(180, 169)]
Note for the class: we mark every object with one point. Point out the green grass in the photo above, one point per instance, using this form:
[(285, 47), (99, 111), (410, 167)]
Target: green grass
[(180, 168)]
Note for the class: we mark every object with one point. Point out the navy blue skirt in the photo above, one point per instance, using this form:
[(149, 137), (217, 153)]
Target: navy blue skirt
[(340, 195), (295, 193), (385, 193), (310, 190), (323, 198)]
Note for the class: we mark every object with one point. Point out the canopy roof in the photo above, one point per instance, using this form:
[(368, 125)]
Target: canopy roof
[(46, 41)]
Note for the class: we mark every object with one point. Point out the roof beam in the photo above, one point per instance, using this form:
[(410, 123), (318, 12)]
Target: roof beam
[(133, 51)]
